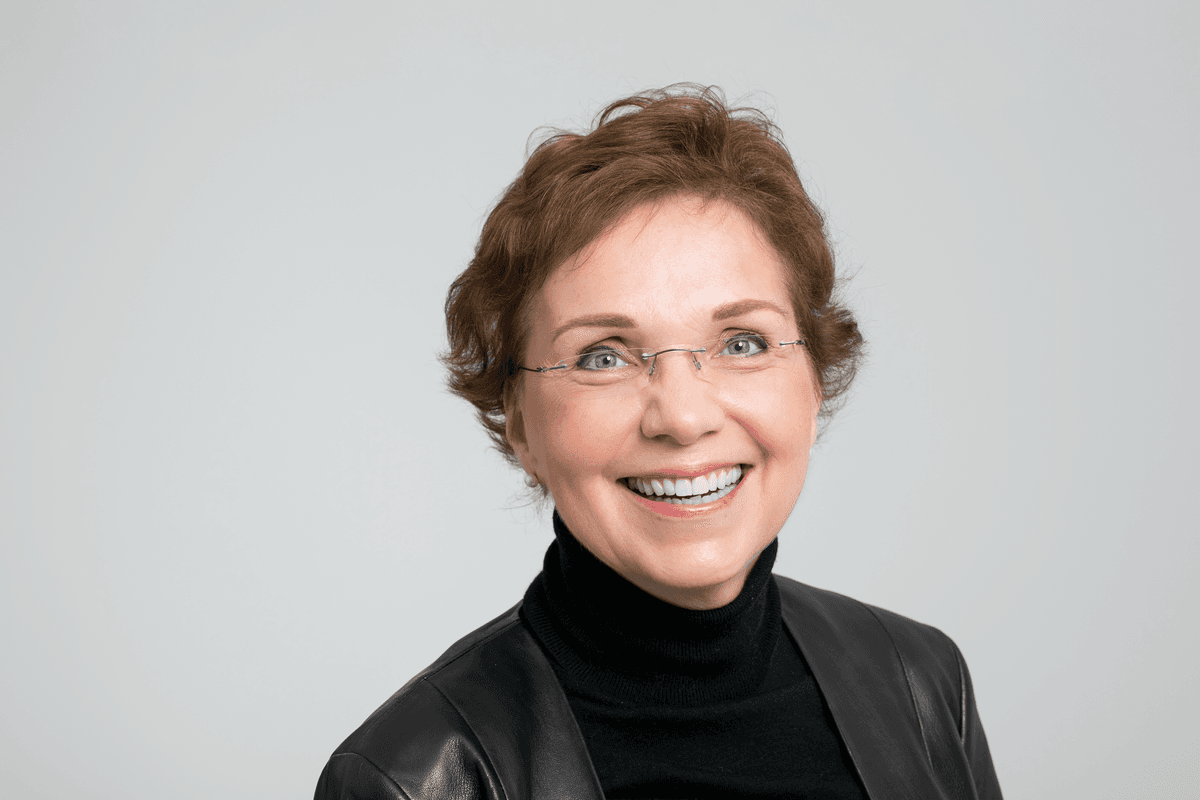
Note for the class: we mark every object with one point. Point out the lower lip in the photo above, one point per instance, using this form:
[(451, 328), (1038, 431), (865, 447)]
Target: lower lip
[(681, 511)]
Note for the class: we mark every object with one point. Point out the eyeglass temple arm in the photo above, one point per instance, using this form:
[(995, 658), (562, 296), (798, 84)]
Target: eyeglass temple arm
[(542, 369)]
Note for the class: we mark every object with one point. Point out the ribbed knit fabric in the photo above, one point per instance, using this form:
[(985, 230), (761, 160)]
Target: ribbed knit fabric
[(675, 703)]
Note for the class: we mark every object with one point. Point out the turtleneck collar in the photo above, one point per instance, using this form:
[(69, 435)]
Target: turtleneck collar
[(614, 642)]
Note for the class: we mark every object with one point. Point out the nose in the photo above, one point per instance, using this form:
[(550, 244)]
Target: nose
[(681, 403)]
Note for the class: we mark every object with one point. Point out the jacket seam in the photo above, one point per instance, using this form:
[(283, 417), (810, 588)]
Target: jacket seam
[(908, 681), (962, 686), (962, 695), (377, 768)]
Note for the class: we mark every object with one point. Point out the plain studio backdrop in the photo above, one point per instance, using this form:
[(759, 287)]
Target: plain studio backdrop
[(239, 509)]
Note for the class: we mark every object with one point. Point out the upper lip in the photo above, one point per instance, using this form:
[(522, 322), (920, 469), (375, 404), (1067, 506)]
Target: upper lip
[(689, 472)]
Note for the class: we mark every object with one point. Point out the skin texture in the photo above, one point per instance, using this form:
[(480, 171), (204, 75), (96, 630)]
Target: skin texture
[(667, 267)]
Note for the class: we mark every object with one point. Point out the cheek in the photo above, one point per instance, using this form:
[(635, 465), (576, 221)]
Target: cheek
[(779, 416), (578, 436)]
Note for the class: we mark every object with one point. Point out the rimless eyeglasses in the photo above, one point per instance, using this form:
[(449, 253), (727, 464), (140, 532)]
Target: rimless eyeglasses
[(612, 363)]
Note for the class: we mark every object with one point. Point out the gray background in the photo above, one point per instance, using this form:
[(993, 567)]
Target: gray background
[(239, 510)]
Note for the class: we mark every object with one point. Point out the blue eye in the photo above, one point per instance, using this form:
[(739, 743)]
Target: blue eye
[(744, 344), (601, 360)]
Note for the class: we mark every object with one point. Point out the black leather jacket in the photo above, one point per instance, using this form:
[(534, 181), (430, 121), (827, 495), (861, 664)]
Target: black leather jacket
[(489, 719)]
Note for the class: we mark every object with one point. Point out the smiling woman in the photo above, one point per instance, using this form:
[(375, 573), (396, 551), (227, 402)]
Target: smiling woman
[(648, 330), (715, 281)]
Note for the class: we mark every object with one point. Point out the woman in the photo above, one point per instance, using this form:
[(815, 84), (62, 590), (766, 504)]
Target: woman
[(647, 329)]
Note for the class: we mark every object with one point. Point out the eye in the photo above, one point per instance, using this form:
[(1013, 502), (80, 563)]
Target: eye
[(743, 344), (601, 360)]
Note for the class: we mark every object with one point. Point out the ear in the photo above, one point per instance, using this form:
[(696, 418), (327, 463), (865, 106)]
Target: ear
[(514, 432)]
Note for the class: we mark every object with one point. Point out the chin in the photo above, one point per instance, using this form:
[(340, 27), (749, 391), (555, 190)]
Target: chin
[(699, 573)]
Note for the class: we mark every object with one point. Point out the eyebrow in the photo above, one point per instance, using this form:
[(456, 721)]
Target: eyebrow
[(594, 321), (740, 307)]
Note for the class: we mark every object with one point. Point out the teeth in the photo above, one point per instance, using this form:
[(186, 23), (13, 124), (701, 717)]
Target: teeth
[(689, 491)]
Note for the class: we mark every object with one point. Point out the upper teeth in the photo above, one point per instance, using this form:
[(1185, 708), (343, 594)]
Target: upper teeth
[(685, 487)]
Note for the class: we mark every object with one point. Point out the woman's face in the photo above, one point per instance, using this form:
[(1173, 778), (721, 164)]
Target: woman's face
[(682, 272)]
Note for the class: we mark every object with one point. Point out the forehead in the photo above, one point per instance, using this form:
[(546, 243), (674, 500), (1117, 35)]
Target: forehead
[(664, 268)]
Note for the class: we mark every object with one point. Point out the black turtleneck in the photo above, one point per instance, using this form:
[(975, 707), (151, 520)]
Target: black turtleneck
[(676, 703)]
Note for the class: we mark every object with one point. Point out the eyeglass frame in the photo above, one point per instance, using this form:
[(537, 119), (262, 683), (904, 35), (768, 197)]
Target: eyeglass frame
[(646, 357)]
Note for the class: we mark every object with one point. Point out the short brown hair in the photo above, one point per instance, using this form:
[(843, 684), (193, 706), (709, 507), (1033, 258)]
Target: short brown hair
[(681, 140)]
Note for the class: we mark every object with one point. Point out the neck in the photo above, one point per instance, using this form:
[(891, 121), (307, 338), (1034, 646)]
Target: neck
[(612, 639)]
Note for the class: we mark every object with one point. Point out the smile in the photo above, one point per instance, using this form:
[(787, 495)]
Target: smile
[(688, 491)]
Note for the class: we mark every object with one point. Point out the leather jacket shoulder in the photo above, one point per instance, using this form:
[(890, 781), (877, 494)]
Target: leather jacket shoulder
[(486, 720), (489, 719), (899, 692)]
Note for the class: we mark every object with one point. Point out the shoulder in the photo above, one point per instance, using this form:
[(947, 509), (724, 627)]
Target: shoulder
[(847, 611), (420, 738), (844, 615), (486, 720)]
